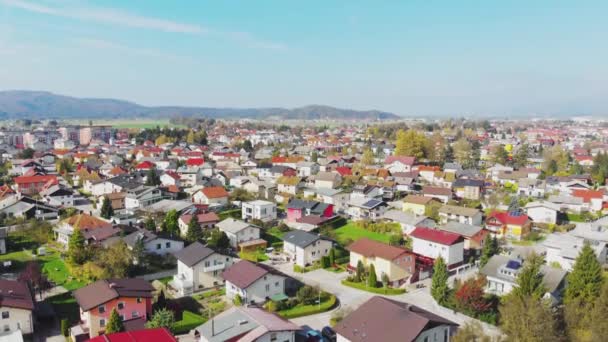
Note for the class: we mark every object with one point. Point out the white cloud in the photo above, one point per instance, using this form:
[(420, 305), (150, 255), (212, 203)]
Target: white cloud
[(112, 16), (95, 43), (107, 16)]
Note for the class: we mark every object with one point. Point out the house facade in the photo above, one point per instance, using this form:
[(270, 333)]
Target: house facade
[(304, 248), (254, 283), (434, 243), (397, 263)]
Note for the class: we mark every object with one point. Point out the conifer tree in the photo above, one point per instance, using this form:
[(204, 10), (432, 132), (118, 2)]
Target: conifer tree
[(114, 324), (439, 284)]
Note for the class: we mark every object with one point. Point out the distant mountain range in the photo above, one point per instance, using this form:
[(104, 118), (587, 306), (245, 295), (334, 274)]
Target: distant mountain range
[(19, 104)]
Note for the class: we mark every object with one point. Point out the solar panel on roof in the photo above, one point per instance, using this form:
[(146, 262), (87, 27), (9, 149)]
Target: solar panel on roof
[(371, 203), (514, 264)]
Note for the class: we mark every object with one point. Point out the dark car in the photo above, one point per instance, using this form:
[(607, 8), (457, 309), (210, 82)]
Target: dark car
[(329, 334)]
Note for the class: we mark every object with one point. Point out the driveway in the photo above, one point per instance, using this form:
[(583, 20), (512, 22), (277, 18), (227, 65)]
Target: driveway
[(352, 298)]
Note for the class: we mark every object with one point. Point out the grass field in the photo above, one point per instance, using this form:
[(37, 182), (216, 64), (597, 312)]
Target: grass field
[(306, 310), (352, 232), (57, 272), (188, 322)]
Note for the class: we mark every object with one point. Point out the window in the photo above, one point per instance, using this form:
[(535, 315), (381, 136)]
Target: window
[(101, 309), (102, 322), (273, 337), (207, 263), (276, 284), (158, 246), (122, 317), (138, 299), (5, 314), (134, 314), (168, 245), (7, 327), (267, 287), (121, 305)]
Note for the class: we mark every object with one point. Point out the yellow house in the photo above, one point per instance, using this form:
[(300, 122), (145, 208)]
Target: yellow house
[(416, 204), (397, 263)]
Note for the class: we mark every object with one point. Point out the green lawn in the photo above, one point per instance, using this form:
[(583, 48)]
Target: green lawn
[(210, 294), (257, 256), (57, 271), (273, 235), (352, 232), (65, 306), (189, 321), (306, 310)]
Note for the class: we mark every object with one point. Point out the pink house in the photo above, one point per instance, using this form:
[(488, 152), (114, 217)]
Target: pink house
[(131, 298), (297, 209)]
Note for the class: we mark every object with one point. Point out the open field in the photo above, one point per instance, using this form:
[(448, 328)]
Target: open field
[(352, 232)]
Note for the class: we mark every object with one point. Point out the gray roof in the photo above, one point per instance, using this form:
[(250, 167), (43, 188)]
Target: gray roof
[(300, 238), (463, 229), (552, 277), (233, 226), (165, 205), (404, 217), (193, 254)]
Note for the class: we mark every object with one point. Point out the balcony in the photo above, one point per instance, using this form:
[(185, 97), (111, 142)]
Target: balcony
[(212, 268)]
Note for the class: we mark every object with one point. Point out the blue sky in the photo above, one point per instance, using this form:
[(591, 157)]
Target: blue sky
[(408, 57)]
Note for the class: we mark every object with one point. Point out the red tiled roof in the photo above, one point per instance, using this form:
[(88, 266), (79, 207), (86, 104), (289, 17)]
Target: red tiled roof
[(436, 235), (507, 218), (344, 171), (195, 161), (144, 335), (215, 192), (202, 218), (588, 195), (373, 248), (145, 165), (36, 179)]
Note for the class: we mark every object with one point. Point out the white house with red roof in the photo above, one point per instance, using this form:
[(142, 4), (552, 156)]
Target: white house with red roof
[(170, 178), (145, 165), (399, 163), (434, 243), (211, 195)]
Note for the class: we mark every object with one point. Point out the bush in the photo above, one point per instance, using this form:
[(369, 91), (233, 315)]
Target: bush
[(325, 263), (362, 286), (298, 269), (327, 303), (238, 301)]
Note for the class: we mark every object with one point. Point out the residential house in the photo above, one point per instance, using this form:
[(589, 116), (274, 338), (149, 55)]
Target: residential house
[(254, 283), (474, 236), (568, 203), (3, 236), (297, 209), (536, 188), (205, 221), (434, 243), (383, 319), (564, 248), (93, 228), (58, 196), (240, 233), (305, 248), (307, 169), (399, 163), (512, 225), (416, 204), (470, 189), (170, 178), (32, 185), (288, 185), (408, 220), (16, 306), (542, 212), (198, 267), (131, 298), (153, 243), (215, 195), (440, 193), (456, 213), (246, 324), (142, 196), (501, 274), (327, 180), (397, 263), (259, 210), (593, 199), (366, 209)]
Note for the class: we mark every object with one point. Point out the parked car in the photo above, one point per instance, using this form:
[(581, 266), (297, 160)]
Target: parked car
[(329, 334)]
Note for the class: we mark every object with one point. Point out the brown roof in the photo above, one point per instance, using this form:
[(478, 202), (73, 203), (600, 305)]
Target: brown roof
[(244, 273), (383, 319), (417, 199), (14, 294), (202, 218), (371, 248), (103, 291), (215, 192), (436, 190), (84, 221)]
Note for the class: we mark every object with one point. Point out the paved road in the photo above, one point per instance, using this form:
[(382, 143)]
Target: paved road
[(351, 298)]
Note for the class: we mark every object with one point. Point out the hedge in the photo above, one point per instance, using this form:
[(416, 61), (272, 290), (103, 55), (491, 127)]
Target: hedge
[(379, 290), (307, 310)]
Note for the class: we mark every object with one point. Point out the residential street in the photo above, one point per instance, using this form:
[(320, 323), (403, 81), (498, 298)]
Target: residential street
[(352, 298)]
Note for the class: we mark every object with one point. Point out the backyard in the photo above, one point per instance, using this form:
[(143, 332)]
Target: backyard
[(350, 232)]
